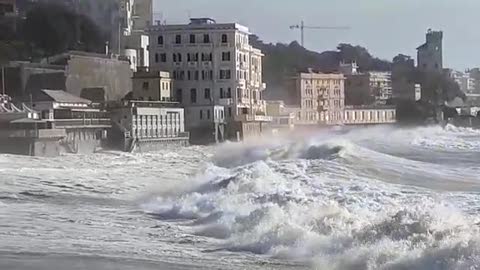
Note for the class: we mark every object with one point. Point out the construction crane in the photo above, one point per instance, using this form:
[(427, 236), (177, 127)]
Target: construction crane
[(302, 28)]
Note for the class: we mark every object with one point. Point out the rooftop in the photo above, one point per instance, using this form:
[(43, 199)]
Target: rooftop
[(63, 97)]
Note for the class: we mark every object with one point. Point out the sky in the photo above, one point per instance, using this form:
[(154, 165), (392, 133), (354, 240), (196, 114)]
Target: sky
[(385, 27)]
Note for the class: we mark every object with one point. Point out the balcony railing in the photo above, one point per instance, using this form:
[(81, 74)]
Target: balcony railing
[(253, 118), (225, 101), (83, 123), (192, 64)]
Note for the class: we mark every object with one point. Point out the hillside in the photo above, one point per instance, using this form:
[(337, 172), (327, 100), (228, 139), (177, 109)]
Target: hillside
[(283, 60)]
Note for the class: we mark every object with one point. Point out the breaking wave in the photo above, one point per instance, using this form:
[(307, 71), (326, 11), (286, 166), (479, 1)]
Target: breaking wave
[(352, 201)]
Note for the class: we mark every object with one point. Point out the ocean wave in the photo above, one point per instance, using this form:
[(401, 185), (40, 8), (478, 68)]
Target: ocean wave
[(334, 225)]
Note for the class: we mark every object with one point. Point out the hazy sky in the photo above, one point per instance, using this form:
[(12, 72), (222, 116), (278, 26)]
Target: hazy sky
[(385, 27)]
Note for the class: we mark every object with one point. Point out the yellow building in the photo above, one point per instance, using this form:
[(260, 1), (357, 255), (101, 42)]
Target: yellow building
[(320, 97)]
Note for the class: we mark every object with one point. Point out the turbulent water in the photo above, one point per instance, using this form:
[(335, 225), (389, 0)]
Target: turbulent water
[(378, 198)]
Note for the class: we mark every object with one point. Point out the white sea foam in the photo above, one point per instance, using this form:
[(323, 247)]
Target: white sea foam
[(292, 201), (376, 198)]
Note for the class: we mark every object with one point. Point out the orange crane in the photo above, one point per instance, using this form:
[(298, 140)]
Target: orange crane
[(302, 28)]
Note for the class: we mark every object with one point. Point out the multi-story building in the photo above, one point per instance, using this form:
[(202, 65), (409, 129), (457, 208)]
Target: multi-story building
[(8, 7), (212, 65), (381, 85), (151, 85), (368, 88), (403, 75), (320, 97), (430, 54), (135, 16), (464, 80)]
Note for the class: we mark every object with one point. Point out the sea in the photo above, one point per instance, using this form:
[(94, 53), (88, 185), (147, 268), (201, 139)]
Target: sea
[(368, 198)]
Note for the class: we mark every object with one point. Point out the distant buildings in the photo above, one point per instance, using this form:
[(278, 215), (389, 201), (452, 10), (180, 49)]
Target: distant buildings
[(75, 72), (135, 17), (320, 98), (403, 78), (283, 117), (368, 88), (215, 71), (430, 54), (464, 80)]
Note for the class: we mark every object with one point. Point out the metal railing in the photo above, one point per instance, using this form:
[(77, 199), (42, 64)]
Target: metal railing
[(101, 122)]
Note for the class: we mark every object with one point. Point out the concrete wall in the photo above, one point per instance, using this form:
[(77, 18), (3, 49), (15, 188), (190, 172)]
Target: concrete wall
[(23, 80), (27, 146), (89, 72)]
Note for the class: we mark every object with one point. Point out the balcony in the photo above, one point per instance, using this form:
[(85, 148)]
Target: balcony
[(207, 64), (225, 45), (241, 83), (192, 64), (177, 64), (253, 118), (225, 102)]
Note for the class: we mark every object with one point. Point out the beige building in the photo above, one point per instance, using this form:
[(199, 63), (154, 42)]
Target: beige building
[(321, 98), (212, 64), (151, 85)]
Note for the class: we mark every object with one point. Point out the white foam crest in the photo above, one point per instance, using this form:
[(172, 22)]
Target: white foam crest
[(262, 211)]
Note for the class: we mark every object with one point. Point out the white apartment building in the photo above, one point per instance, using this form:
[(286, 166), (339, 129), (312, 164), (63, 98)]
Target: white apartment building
[(212, 64), (135, 16), (381, 85)]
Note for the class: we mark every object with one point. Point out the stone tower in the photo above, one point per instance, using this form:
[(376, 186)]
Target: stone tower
[(430, 54)]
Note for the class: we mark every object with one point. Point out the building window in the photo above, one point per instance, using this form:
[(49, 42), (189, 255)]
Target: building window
[(193, 95), (201, 114), (174, 58), (189, 77), (207, 93), (160, 40), (179, 57), (224, 38), (196, 75), (229, 92), (178, 39), (225, 74), (208, 114), (179, 95), (206, 38), (156, 58), (192, 39), (145, 86), (163, 57), (229, 111), (225, 56)]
